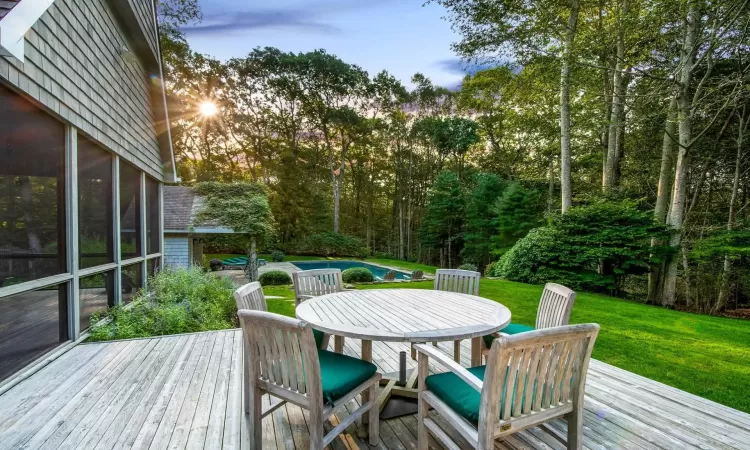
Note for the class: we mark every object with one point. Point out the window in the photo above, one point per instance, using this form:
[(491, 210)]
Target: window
[(132, 281), (96, 295), (32, 192), (130, 211), (31, 324), (95, 215), (152, 216)]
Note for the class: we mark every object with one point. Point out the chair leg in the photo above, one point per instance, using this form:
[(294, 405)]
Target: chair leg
[(457, 351), (325, 342), (374, 416), (575, 428), (423, 409), (317, 433), (338, 344), (255, 427)]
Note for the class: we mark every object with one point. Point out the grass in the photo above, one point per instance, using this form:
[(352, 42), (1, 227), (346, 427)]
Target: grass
[(705, 355)]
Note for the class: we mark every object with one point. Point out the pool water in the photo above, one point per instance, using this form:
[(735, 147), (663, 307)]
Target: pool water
[(377, 271)]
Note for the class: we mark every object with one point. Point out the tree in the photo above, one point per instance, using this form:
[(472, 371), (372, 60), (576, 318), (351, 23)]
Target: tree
[(481, 221), (242, 207), (518, 211), (444, 217)]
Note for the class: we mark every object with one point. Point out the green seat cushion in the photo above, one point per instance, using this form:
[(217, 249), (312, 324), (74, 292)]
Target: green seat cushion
[(511, 328), (318, 335), (340, 374), (461, 397)]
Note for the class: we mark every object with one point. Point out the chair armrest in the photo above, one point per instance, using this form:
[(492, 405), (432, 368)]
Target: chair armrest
[(447, 362)]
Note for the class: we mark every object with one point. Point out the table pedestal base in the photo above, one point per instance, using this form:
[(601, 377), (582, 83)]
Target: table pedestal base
[(398, 396)]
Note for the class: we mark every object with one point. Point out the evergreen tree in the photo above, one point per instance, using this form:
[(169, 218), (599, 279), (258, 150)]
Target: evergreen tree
[(481, 220), (518, 211), (444, 216)]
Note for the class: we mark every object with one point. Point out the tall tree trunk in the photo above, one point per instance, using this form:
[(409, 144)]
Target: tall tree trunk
[(27, 200), (551, 187), (664, 189), (727, 272), (676, 215), (565, 155), (618, 106), (253, 275)]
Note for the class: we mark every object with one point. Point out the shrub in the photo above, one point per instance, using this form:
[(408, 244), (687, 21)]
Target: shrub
[(216, 264), (275, 278), (357, 275), (593, 247), (471, 267), (330, 244), (226, 243), (178, 301), (489, 269), (277, 256)]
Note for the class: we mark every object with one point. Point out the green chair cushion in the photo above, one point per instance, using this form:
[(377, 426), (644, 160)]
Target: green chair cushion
[(511, 328), (318, 335), (340, 374), (461, 397)]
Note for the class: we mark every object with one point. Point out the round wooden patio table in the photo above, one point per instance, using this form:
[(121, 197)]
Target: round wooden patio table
[(405, 315)]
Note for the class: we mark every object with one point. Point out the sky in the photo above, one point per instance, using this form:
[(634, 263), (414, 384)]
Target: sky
[(401, 36)]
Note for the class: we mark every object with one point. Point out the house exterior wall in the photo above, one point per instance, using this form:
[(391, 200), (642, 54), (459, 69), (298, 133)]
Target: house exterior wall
[(75, 68), (177, 251), (75, 90)]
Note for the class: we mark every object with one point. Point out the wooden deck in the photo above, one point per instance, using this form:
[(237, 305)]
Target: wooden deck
[(184, 392)]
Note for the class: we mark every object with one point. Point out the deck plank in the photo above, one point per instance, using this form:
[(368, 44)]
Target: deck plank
[(185, 392)]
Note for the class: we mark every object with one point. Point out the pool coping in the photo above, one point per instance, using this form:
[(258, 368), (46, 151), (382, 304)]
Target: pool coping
[(382, 266)]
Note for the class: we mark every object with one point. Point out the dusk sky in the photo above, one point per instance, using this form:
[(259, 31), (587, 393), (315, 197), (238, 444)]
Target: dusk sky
[(401, 36)]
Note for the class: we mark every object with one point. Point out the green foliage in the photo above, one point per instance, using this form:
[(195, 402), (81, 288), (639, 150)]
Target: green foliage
[(471, 267), (226, 243), (178, 301), (444, 214), (277, 256), (275, 278), (480, 219), (735, 244), (241, 206), (591, 247), (330, 244), (357, 275), (518, 211), (454, 135)]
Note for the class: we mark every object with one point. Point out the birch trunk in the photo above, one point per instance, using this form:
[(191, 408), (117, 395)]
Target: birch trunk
[(676, 215), (664, 189), (565, 155), (614, 136)]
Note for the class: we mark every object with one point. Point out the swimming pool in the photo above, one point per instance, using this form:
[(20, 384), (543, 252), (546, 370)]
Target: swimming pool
[(377, 271)]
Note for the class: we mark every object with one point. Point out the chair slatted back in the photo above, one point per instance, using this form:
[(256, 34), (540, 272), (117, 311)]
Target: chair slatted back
[(417, 275), (546, 369), (250, 296), (555, 306), (316, 282), (389, 276), (454, 280), (281, 354)]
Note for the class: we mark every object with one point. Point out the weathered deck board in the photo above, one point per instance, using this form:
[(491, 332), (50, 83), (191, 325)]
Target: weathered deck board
[(184, 392)]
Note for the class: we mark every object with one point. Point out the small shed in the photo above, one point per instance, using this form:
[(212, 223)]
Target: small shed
[(183, 232)]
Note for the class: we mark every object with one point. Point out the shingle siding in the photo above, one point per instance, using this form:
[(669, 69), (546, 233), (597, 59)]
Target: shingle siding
[(74, 67), (177, 252)]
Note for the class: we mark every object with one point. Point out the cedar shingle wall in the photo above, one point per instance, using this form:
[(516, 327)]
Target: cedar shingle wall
[(74, 67)]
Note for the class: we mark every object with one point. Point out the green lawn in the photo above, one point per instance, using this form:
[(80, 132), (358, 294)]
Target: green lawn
[(707, 356)]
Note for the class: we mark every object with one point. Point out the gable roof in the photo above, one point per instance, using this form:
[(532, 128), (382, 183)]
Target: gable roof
[(181, 208), (6, 6)]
